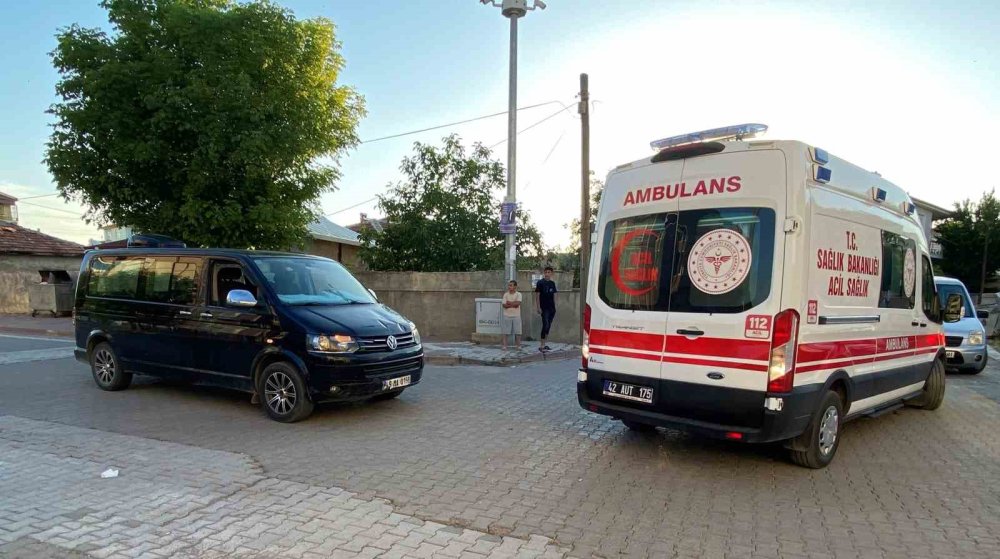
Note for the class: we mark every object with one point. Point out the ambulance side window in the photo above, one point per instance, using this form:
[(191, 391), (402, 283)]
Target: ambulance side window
[(898, 272), (723, 260), (929, 298), (636, 255)]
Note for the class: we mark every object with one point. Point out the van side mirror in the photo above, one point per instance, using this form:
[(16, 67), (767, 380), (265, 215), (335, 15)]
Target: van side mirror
[(983, 314), (953, 308), (374, 296), (240, 298)]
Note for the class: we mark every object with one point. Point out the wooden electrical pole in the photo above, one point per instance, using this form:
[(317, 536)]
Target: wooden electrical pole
[(584, 110)]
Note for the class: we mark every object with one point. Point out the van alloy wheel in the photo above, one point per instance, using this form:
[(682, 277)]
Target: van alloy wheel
[(828, 430), (279, 393), (104, 366)]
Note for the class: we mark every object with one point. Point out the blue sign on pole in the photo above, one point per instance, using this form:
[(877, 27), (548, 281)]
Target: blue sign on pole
[(508, 218)]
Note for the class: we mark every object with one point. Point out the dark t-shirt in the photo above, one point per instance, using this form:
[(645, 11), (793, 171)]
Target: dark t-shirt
[(547, 294)]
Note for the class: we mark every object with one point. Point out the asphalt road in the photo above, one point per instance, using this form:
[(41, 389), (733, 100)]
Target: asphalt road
[(509, 451)]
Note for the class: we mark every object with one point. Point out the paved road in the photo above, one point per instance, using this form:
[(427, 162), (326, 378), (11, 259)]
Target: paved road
[(497, 456)]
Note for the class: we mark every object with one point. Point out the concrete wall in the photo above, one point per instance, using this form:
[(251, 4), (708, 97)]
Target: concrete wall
[(443, 303), (18, 271)]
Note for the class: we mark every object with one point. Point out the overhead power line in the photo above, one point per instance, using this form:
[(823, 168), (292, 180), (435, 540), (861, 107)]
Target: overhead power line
[(484, 117), (352, 207), (19, 202), (519, 132)]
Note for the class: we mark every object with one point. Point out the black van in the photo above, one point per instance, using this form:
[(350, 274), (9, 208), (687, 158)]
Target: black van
[(292, 329)]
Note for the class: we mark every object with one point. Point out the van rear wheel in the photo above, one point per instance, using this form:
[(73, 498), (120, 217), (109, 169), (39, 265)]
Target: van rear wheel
[(816, 447), (284, 394), (107, 370), (933, 394)]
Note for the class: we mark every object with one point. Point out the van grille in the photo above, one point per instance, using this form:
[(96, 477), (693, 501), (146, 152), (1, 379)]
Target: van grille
[(394, 368), (953, 341), (372, 344)]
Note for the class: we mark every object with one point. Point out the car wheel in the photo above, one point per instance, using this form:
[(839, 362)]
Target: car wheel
[(933, 394), (107, 370), (638, 427), (816, 447), (388, 395), (284, 394)]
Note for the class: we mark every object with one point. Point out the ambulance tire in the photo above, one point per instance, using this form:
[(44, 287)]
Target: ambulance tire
[(933, 393), (638, 427), (817, 448)]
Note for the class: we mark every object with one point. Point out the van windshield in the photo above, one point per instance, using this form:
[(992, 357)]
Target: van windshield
[(946, 289), (307, 281)]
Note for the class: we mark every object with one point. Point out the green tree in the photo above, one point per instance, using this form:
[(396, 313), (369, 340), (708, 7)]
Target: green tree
[(205, 120), (970, 239), (444, 216)]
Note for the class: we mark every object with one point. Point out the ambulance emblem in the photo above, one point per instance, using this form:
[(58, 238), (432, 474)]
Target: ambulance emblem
[(719, 261), (909, 272)]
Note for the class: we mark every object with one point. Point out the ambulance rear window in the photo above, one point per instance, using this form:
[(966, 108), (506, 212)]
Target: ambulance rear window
[(717, 261)]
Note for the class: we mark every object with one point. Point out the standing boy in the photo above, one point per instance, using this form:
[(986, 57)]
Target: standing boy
[(510, 321), (545, 302)]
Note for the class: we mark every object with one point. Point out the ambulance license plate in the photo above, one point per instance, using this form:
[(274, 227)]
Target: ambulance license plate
[(625, 391), (949, 354), (397, 382)]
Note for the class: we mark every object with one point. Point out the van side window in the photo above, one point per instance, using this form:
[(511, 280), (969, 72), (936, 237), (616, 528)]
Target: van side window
[(170, 279), (723, 260), (227, 277), (637, 253), (114, 276), (898, 272), (928, 297)]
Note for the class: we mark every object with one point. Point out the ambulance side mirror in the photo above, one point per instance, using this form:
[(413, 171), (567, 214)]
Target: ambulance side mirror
[(953, 308)]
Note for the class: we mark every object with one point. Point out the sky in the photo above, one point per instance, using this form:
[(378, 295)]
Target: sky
[(907, 89)]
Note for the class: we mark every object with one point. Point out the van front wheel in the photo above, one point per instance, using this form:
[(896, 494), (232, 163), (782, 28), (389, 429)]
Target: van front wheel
[(107, 370), (284, 394), (816, 447)]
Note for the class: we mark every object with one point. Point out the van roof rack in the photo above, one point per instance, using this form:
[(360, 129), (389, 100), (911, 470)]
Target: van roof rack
[(735, 132), (154, 241)]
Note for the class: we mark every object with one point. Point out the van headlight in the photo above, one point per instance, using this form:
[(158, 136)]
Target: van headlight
[(337, 343), (976, 338), (416, 333)]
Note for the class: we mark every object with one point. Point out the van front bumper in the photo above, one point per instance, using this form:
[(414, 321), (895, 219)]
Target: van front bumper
[(81, 355), (790, 421), (360, 377)]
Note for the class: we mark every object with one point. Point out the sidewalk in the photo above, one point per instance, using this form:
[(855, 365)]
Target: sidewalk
[(437, 353)]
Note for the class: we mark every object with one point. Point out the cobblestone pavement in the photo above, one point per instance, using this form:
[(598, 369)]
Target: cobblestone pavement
[(504, 452)]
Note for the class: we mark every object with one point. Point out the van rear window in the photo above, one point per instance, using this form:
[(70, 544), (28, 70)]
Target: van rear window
[(702, 261)]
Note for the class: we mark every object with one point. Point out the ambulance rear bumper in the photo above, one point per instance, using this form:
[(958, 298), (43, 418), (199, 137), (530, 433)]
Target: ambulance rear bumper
[(789, 422)]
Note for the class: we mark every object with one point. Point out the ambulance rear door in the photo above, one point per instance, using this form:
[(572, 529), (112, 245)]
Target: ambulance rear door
[(726, 286)]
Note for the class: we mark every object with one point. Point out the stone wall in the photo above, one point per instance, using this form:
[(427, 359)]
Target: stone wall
[(19, 271), (443, 304)]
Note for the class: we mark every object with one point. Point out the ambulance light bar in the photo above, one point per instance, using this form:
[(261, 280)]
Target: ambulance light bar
[(737, 132), (909, 208)]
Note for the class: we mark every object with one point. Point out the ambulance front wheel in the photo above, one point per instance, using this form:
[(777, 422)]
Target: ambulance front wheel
[(933, 394), (816, 447)]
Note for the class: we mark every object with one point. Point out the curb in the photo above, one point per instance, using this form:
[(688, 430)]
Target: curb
[(454, 360), (37, 332)]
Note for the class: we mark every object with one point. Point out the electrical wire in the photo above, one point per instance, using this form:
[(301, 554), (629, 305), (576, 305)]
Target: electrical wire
[(459, 122), (352, 207), (19, 202), (519, 132)]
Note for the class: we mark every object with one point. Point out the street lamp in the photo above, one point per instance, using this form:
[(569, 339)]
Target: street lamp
[(512, 9)]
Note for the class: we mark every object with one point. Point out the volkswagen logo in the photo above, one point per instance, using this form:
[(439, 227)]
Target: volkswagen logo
[(391, 342)]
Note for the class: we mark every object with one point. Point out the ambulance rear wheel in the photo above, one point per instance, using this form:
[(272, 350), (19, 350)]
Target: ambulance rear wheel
[(933, 393), (638, 427), (816, 447)]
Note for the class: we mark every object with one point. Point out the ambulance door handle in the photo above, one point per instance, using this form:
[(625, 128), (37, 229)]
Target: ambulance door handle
[(915, 324), (687, 332)]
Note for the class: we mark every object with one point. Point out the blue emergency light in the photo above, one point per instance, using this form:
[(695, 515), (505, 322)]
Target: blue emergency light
[(737, 132), (822, 174)]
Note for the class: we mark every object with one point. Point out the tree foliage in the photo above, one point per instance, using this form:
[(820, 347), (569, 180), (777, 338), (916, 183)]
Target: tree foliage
[(201, 119), (444, 216), (963, 237)]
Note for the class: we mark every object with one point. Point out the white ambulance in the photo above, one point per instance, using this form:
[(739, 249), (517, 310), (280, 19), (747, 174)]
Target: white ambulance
[(758, 291)]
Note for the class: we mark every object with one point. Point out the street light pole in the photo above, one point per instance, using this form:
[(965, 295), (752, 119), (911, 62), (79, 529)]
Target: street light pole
[(512, 9)]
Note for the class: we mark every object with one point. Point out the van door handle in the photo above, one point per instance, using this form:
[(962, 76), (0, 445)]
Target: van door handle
[(206, 315), (184, 313), (688, 332)]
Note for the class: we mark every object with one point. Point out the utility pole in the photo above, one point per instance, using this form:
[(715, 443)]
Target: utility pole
[(512, 9), (584, 110)]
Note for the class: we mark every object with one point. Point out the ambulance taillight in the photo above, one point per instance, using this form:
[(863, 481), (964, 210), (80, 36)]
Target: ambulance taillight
[(585, 348), (781, 369)]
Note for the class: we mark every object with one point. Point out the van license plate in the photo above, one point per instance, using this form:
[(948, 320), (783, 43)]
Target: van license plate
[(397, 382), (949, 354), (625, 391)]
